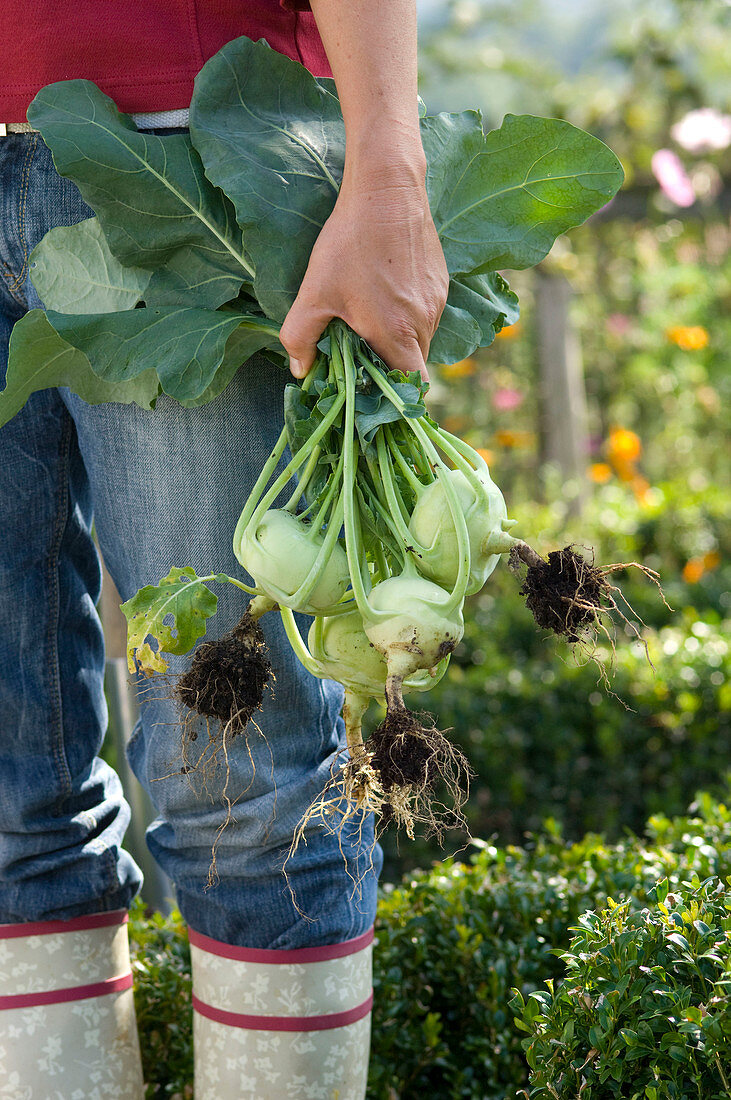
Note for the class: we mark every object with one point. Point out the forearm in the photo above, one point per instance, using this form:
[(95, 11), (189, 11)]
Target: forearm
[(377, 262), (371, 46)]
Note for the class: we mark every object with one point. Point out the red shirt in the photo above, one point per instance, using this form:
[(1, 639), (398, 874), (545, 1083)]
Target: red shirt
[(144, 55)]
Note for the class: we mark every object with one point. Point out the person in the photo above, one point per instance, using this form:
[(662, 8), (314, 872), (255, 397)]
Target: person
[(281, 968)]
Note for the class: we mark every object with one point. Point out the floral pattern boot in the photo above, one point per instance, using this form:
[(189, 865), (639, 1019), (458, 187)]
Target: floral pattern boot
[(67, 1017), (281, 1025)]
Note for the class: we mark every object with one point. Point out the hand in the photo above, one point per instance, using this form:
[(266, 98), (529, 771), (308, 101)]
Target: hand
[(378, 265)]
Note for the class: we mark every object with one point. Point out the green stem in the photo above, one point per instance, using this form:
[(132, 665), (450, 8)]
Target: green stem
[(398, 457), (461, 454), (457, 595), (393, 543), (297, 642), (303, 482), (255, 513), (345, 366), (267, 471), (381, 563), (231, 580), (395, 502), (417, 456), (336, 483)]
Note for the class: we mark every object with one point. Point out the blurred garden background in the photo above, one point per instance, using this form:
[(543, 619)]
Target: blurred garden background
[(635, 465), (586, 794)]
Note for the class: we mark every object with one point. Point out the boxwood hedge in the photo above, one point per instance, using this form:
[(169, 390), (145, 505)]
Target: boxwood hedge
[(459, 942)]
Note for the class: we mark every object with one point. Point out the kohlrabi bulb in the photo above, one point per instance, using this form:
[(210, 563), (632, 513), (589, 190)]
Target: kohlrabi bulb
[(432, 526), (418, 633), (280, 553)]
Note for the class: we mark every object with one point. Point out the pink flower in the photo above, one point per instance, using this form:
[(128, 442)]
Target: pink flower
[(674, 181), (618, 324), (505, 400), (703, 131)]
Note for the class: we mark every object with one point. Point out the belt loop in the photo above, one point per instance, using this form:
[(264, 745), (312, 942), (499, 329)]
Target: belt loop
[(16, 128)]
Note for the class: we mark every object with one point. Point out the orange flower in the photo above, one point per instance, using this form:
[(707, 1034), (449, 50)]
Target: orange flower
[(507, 438), (693, 570), (463, 369), (600, 472), (641, 488), (509, 332), (688, 337), (623, 446), (624, 470), (489, 456)]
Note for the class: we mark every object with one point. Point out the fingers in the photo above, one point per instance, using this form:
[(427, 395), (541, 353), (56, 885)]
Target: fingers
[(305, 323), (301, 329), (405, 355)]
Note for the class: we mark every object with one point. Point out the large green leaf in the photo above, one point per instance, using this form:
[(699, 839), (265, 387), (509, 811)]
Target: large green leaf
[(40, 359), (181, 597), (187, 347), (155, 205), (500, 200), (74, 272), (271, 137), (477, 308)]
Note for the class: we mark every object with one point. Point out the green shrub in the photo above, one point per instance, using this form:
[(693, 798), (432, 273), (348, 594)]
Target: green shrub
[(645, 1010), (161, 968), (452, 944), (546, 739)]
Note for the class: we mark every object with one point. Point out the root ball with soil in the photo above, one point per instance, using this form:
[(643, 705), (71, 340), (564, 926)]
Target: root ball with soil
[(571, 596), (227, 677)]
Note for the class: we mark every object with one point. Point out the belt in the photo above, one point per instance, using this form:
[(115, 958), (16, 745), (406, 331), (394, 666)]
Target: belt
[(16, 128)]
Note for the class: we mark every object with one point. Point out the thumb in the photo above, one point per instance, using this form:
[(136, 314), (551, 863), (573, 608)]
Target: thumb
[(301, 329)]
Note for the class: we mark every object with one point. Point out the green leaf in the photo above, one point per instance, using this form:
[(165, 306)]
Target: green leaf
[(272, 137), (154, 203), (40, 359), (478, 307), (457, 336), (74, 272), (180, 595), (374, 409), (187, 347), (297, 412), (501, 200)]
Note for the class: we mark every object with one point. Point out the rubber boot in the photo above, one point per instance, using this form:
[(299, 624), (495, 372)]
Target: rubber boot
[(274, 1024), (67, 1016)]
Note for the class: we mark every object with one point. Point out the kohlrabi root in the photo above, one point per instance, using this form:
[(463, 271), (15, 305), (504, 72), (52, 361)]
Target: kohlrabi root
[(572, 597), (412, 760), (227, 677)]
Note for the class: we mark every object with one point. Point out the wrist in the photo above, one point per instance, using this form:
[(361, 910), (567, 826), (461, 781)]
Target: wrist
[(393, 155)]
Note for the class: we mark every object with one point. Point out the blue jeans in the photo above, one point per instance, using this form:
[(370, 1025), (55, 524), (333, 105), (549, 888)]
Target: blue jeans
[(164, 489)]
